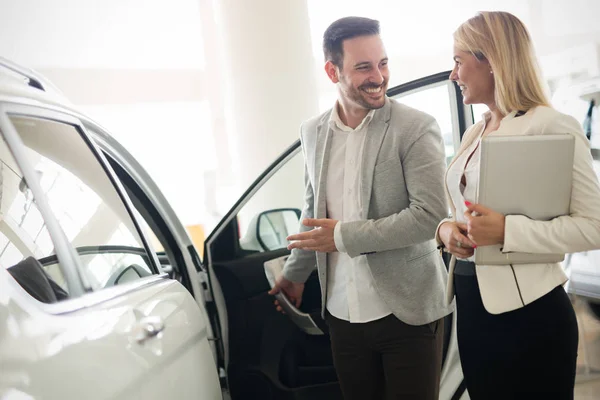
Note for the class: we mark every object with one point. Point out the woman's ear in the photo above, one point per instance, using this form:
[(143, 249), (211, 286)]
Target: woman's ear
[(332, 71), (481, 58)]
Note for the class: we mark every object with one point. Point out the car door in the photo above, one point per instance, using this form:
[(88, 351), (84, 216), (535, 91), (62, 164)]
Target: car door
[(172, 243), (441, 98), (275, 356), (123, 329)]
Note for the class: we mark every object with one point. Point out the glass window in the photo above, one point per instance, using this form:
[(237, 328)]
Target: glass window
[(24, 239), (435, 100), (85, 203), (266, 220), (154, 228)]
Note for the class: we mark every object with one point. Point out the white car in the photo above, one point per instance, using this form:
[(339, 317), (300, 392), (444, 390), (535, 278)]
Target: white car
[(103, 295)]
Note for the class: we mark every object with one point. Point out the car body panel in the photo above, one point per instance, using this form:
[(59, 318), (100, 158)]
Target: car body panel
[(148, 338), (97, 346)]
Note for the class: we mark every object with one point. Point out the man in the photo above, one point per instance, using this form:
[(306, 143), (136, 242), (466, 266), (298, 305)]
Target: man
[(374, 196)]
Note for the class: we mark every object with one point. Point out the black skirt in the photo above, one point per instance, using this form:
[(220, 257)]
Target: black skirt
[(527, 353)]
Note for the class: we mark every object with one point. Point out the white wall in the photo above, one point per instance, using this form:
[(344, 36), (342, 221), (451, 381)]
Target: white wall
[(135, 66), (110, 34)]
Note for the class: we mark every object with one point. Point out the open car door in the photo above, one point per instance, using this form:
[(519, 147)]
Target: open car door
[(269, 355)]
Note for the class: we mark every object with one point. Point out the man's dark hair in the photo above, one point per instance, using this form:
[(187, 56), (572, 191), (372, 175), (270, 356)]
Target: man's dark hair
[(343, 29)]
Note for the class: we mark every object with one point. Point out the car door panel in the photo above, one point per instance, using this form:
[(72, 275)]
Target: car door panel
[(100, 346), (269, 356), (180, 352), (246, 276)]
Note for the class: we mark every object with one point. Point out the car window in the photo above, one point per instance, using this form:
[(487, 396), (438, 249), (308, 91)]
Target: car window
[(436, 100), (152, 224), (267, 219), (24, 237), (85, 202)]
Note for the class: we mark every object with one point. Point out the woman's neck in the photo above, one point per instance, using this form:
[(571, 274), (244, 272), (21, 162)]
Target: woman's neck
[(495, 116)]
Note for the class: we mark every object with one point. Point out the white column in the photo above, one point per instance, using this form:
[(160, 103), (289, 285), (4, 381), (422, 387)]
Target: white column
[(270, 75)]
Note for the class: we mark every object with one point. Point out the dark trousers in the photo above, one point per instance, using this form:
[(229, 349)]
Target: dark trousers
[(386, 358), (528, 353)]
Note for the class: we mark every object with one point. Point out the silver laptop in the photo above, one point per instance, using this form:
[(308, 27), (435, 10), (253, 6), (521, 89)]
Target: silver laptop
[(525, 175)]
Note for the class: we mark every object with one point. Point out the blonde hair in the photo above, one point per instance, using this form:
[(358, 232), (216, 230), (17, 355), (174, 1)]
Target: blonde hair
[(503, 40)]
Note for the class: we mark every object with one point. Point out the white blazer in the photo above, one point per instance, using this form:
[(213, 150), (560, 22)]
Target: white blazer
[(503, 291)]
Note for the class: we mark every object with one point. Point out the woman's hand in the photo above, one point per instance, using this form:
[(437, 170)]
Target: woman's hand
[(484, 226), (453, 234)]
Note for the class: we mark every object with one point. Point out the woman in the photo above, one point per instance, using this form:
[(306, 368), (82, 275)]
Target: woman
[(517, 331)]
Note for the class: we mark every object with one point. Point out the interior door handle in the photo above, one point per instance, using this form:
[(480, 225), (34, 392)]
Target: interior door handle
[(148, 328), (303, 320)]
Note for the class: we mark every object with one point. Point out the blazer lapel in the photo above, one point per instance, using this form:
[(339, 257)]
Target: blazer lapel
[(321, 165), (373, 140)]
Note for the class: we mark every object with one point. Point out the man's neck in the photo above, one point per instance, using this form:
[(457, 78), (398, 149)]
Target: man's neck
[(351, 116)]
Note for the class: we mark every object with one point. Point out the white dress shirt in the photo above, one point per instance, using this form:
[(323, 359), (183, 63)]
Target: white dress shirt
[(351, 292), (459, 192)]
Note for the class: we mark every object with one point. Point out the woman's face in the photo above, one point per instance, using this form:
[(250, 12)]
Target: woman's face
[(474, 77)]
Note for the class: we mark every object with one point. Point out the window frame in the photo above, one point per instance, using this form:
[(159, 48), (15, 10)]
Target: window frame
[(156, 223), (70, 266), (154, 208)]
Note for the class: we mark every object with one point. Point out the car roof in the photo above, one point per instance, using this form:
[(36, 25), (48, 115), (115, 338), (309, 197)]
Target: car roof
[(20, 82)]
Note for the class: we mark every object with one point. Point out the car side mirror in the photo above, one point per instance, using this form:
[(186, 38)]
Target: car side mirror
[(274, 226)]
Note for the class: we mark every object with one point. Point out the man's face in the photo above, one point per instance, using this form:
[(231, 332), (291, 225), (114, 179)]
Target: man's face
[(364, 77)]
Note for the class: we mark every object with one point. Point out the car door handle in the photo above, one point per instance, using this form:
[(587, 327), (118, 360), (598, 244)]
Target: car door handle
[(148, 328)]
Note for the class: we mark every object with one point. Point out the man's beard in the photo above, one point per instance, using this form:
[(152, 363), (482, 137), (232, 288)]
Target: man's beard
[(362, 98)]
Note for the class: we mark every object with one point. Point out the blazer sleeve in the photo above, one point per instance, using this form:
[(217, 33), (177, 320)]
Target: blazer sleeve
[(301, 263), (423, 165), (578, 231)]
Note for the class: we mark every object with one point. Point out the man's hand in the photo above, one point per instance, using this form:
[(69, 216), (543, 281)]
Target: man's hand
[(484, 226), (292, 290), (319, 239)]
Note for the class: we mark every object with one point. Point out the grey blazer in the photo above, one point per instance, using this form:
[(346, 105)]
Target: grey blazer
[(403, 190)]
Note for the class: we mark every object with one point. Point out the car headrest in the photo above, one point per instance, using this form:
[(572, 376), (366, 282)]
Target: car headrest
[(31, 276)]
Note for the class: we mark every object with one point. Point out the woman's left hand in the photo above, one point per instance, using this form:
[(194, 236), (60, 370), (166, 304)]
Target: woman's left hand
[(485, 227)]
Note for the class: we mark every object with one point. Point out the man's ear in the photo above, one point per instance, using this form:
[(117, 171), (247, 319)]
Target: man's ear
[(332, 71)]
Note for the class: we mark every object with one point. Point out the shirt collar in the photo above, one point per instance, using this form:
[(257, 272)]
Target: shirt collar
[(335, 122)]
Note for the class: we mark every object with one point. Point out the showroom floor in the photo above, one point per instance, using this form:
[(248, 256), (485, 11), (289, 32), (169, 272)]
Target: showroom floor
[(588, 363)]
